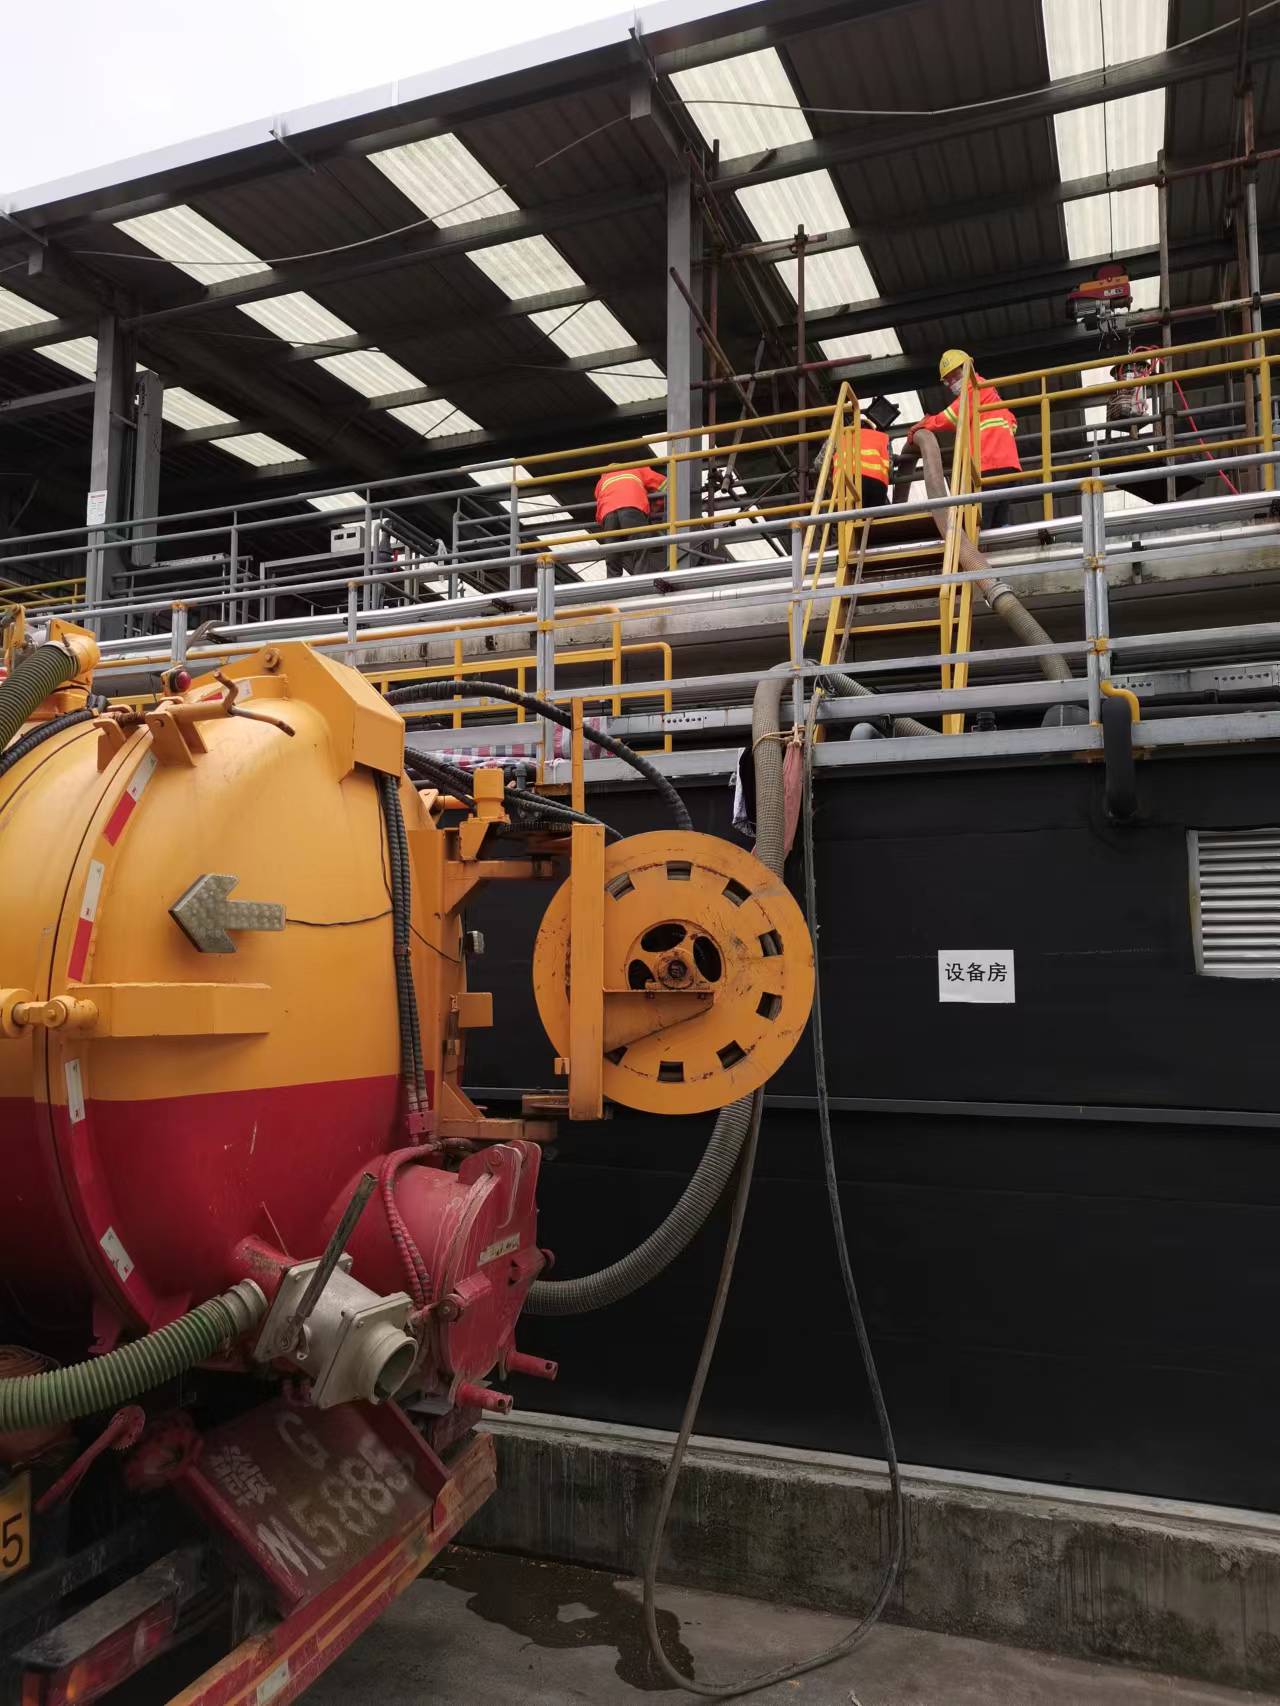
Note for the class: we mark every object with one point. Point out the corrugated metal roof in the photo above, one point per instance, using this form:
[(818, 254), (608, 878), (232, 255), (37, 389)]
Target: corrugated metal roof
[(445, 321)]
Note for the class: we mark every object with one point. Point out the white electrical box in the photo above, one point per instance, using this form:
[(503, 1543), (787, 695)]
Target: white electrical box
[(350, 538)]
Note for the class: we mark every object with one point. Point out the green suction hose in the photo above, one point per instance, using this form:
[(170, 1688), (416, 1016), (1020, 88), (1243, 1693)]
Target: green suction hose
[(38, 675), (66, 1394)]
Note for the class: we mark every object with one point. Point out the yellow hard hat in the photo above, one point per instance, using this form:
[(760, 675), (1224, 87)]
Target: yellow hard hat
[(950, 360)]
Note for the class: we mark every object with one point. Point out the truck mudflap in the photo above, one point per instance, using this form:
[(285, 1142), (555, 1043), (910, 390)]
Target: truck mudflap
[(339, 1511)]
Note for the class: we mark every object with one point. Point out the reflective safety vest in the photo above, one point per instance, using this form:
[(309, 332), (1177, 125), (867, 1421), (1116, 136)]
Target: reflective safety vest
[(997, 427), (875, 454), (626, 488)]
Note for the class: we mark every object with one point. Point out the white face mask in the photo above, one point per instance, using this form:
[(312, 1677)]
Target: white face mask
[(952, 383)]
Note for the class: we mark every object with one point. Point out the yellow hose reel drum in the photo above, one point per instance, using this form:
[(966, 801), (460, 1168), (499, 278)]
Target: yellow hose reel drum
[(708, 972)]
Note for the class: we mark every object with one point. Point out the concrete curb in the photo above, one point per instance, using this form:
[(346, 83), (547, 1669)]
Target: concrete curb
[(1188, 1589)]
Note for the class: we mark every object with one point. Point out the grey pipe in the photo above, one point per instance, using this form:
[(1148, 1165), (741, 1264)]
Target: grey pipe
[(720, 1158), (1006, 604)]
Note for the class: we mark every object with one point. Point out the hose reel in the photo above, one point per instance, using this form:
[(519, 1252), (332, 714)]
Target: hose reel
[(707, 973)]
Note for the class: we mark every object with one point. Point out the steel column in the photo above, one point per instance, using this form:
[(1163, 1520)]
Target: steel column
[(146, 462), (684, 351), (109, 456)]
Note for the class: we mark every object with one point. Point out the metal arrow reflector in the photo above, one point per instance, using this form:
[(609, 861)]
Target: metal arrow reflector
[(206, 915)]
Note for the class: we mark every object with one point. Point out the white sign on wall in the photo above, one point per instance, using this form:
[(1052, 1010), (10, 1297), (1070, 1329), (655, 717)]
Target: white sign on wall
[(976, 974), (95, 509)]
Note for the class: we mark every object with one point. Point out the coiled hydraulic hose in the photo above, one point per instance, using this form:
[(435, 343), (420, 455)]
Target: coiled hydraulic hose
[(34, 678), (474, 688), (1006, 604), (66, 1394)]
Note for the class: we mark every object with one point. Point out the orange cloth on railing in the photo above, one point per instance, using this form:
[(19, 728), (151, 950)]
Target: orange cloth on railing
[(626, 488), (997, 425)]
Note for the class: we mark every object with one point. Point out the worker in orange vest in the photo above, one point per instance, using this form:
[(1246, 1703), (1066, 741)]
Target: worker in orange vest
[(622, 505), (873, 463), (997, 426)]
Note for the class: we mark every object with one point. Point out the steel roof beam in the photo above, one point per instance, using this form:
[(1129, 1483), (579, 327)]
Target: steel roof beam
[(1051, 278), (378, 256), (46, 402), (878, 137)]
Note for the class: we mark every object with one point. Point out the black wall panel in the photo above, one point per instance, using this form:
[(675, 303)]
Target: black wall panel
[(1083, 1300)]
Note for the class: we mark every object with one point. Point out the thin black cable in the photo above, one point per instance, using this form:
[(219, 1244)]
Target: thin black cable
[(897, 1513), (338, 923), (359, 242), (474, 688)]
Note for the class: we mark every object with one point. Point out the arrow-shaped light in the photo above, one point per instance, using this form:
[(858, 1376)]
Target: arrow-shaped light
[(205, 914)]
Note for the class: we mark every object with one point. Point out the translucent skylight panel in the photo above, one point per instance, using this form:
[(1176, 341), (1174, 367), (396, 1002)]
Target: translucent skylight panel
[(585, 330), (78, 354), (1111, 136), (369, 372), (297, 318), (442, 177), (711, 91), (870, 346), (633, 382), (531, 266), (1110, 224), (182, 408), (1146, 293), (193, 243), (810, 200), (16, 311), (336, 500), (910, 408), (259, 449), (1084, 35), (501, 475), (438, 419), (831, 280)]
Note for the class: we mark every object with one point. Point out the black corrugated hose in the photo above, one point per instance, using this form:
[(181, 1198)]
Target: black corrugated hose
[(36, 737), (412, 1071), (474, 688)]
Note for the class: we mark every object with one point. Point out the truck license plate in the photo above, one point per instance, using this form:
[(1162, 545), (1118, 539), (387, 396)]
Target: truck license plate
[(15, 1526)]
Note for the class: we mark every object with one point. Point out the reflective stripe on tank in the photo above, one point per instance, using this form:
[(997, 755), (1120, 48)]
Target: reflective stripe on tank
[(129, 799), (84, 921)]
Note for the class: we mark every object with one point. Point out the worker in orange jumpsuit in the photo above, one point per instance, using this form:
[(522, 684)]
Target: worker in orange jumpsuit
[(622, 505), (997, 427)]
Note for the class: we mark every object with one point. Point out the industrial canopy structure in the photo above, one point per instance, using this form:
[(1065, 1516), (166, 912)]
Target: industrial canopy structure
[(499, 258)]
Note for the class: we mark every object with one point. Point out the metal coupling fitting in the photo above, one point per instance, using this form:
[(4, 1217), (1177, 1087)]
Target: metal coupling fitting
[(247, 1303), (999, 590), (82, 647)]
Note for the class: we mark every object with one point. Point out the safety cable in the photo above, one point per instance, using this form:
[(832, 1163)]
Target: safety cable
[(897, 1512)]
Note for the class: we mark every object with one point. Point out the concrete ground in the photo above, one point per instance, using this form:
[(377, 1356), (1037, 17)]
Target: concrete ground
[(483, 1626)]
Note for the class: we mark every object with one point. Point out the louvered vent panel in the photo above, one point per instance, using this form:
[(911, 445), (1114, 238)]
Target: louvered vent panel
[(1236, 897)]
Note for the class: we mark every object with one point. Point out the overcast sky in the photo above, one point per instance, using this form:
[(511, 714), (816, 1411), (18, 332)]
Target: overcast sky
[(88, 83)]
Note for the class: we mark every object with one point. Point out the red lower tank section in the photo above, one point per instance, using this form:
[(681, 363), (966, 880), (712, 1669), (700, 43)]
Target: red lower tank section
[(215, 1097)]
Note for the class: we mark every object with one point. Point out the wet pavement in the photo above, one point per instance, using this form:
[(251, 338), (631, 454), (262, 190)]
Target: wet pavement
[(485, 1627)]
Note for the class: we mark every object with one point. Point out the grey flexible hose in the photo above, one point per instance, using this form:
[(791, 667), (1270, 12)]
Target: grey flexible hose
[(705, 1188), (1006, 604), (66, 1394)]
